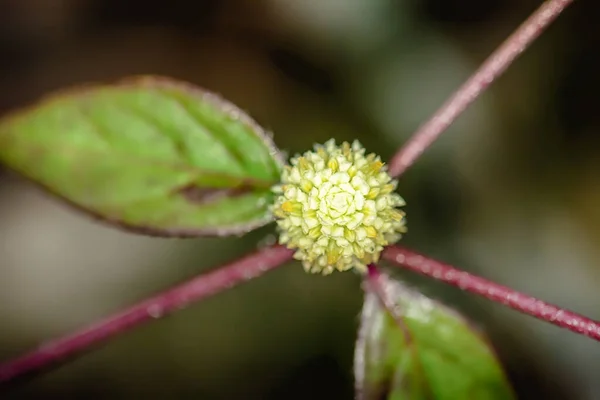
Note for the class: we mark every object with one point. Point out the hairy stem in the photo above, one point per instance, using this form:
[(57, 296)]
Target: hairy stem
[(492, 291), (269, 258), (376, 284), (491, 69), (164, 303)]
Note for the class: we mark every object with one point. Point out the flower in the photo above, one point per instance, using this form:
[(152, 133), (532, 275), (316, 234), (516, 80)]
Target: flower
[(337, 208)]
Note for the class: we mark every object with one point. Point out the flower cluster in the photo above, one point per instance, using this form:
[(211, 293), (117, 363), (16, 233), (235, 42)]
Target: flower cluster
[(337, 208)]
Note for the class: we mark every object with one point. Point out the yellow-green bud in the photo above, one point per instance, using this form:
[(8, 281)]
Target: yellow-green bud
[(337, 208)]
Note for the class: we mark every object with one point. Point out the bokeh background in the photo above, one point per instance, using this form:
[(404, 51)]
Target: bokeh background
[(511, 192)]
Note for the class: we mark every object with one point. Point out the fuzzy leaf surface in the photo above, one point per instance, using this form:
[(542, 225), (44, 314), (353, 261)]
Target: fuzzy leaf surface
[(149, 154), (425, 351)]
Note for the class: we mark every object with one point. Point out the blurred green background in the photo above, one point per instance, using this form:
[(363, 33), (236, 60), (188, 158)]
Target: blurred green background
[(511, 192)]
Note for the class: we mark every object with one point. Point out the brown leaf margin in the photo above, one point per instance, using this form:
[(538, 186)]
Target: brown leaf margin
[(158, 82)]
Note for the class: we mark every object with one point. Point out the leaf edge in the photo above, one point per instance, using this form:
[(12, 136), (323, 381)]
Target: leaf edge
[(155, 81)]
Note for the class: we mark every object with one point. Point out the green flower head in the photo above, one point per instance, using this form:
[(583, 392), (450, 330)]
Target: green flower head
[(337, 208)]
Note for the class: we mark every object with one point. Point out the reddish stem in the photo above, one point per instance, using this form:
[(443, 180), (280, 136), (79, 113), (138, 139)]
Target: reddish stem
[(492, 291), (378, 287), (374, 280), (491, 69), (176, 298), (269, 258)]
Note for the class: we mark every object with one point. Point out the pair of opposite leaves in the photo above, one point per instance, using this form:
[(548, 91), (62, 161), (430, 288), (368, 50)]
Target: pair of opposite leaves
[(206, 168)]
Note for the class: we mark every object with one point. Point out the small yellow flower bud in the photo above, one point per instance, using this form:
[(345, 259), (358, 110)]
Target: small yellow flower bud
[(336, 208)]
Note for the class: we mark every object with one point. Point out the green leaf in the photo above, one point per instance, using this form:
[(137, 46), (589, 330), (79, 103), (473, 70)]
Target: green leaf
[(427, 352), (150, 154)]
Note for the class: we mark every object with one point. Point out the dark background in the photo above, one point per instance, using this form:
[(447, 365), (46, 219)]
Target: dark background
[(511, 192)]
